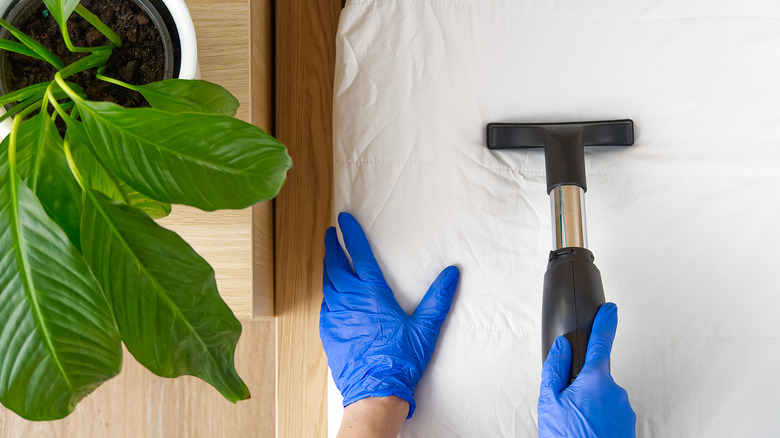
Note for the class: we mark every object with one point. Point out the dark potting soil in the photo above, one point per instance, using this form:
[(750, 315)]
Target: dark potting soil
[(140, 60)]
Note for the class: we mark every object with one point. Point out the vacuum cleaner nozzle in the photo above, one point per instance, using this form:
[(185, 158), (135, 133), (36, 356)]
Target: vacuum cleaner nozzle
[(573, 291), (563, 144)]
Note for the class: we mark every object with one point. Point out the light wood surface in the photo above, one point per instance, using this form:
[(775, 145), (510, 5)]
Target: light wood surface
[(224, 239), (261, 87), (239, 245), (139, 404), (305, 57), (223, 29)]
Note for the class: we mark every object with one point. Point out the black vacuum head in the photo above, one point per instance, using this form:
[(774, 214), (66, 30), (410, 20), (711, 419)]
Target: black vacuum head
[(563, 144)]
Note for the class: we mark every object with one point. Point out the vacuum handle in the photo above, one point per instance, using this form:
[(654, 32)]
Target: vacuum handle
[(572, 295)]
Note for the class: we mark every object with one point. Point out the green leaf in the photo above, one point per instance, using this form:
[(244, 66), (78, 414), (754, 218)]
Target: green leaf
[(41, 164), (154, 209), (13, 46), (101, 179), (58, 338), (61, 9), (189, 96), (25, 93), (99, 25), (19, 107), (50, 176), (206, 161), (37, 91), (34, 94), (170, 315), (97, 58), (35, 46)]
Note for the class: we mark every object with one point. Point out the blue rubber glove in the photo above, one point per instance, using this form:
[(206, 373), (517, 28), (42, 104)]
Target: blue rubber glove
[(593, 405), (374, 348)]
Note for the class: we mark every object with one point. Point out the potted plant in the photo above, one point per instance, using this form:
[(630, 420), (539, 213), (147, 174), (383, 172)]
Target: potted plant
[(83, 265), (169, 20)]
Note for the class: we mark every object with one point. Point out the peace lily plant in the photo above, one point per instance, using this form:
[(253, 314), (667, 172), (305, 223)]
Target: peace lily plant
[(83, 265)]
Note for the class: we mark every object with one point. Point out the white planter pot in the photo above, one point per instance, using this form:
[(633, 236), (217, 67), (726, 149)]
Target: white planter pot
[(174, 15), (189, 67)]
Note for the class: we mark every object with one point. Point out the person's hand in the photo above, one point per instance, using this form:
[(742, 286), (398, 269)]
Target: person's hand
[(374, 347), (593, 405)]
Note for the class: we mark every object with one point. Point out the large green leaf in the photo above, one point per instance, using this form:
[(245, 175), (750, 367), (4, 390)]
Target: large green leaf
[(61, 9), (206, 161), (58, 338), (41, 164), (99, 178), (164, 295), (189, 96), (50, 176)]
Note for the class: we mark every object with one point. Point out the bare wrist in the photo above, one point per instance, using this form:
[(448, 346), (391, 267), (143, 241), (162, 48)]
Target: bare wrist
[(374, 417)]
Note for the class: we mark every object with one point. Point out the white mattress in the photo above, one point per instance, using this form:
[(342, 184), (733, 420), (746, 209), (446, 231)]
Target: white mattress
[(684, 224)]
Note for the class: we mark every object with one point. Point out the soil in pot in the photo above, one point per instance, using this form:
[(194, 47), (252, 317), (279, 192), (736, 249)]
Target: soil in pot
[(140, 60)]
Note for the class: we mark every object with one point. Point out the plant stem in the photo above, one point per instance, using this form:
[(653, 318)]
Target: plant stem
[(69, 106), (99, 75), (99, 25), (72, 48), (72, 164), (57, 107), (111, 176), (12, 145), (96, 59), (26, 112), (64, 107), (61, 82)]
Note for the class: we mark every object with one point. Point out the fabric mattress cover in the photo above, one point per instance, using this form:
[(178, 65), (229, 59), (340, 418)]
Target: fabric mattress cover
[(683, 225)]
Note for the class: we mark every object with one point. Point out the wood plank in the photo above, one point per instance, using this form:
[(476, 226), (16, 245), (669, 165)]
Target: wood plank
[(261, 94), (305, 58), (139, 404), (223, 238)]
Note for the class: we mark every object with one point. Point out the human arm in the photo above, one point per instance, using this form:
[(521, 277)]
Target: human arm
[(374, 348), (374, 417), (593, 405)]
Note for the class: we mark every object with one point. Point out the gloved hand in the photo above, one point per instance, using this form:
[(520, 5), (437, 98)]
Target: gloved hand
[(593, 405), (374, 347)]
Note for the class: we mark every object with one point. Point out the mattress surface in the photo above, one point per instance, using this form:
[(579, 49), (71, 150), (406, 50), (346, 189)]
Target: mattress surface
[(683, 225)]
